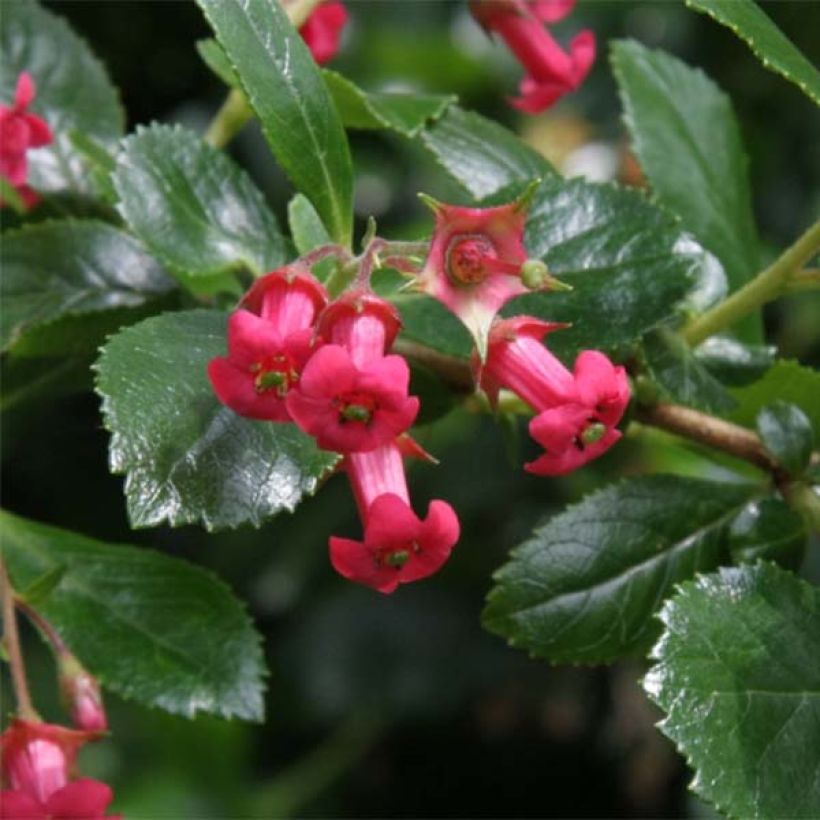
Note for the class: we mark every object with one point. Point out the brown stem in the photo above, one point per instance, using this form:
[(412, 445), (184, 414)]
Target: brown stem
[(43, 625), (11, 639), (713, 432)]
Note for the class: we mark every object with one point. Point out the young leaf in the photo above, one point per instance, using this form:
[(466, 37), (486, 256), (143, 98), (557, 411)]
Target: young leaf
[(777, 53), (482, 156), (626, 259), (738, 674), (787, 434), (682, 377), (285, 88), (73, 92), (788, 381), (213, 55), (187, 457), (770, 529), (405, 113), (193, 206), (306, 227), (584, 588), (55, 270), (688, 143), (152, 628)]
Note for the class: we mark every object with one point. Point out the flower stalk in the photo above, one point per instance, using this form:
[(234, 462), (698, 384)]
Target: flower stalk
[(11, 639), (767, 285)]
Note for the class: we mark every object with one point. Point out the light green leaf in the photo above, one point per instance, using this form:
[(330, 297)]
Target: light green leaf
[(406, 113), (306, 227), (153, 629), (585, 587), (193, 206), (787, 434), (482, 156), (749, 22), (58, 270), (286, 90), (73, 92), (688, 143), (738, 675), (187, 458), (213, 55)]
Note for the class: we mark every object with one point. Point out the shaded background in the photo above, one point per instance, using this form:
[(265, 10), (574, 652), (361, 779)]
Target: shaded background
[(402, 706)]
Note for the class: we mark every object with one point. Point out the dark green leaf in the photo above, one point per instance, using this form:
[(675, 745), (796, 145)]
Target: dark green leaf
[(193, 206), (187, 457), (687, 141), (787, 434), (584, 588), (29, 380), (733, 362), (482, 156), (285, 88), (786, 380), (768, 528), (627, 260), (674, 367), (42, 586), (73, 92), (748, 21), (62, 269), (213, 55), (738, 675), (100, 163), (152, 628), (406, 113), (427, 321)]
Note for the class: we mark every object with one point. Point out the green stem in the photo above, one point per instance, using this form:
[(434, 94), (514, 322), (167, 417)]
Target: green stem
[(229, 120), (805, 501), (806, 279), (767, 285), (11, 638)]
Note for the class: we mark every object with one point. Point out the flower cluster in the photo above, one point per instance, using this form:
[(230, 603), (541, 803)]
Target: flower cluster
[(20, 130), (322, 31), (551, 71), (37, 763), (292, 356), (476, 263)]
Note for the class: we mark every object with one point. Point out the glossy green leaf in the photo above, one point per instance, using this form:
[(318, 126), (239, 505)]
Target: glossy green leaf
[(101, 164), (681, 376), (406, 113), (187, 458), (57, 270), (73, 92), (152, 628), (749, 22), (768, 528), (733, 362), (193, 206), (482, 156), (585, 587), (427, 321), (627, 260), (286, 90), (787, 434), (687, 140), (786, 380), (738, 675)]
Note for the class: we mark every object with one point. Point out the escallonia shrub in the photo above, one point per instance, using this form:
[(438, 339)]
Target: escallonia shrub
[(241, 367)]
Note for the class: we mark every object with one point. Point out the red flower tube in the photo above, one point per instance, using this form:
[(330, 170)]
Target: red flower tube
[(322, 31)]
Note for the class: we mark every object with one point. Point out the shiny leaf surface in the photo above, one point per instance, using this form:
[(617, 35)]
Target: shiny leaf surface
[(787, 433)]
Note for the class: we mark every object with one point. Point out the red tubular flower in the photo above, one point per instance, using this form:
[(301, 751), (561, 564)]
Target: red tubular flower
[(81, 695), (397, 547), (322, 31), (269, 343), (551, 71), (36, 763), (349, 408), (577, 412), (19, 131), (474, 263)]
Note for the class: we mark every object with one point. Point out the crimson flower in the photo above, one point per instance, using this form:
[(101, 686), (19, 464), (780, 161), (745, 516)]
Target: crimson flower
[(81, 695), (577, 412), (36, 761), (322, 31), (551, 71), (350, 408), (474, 263), (270, 338), (397, 546), (21, 130)]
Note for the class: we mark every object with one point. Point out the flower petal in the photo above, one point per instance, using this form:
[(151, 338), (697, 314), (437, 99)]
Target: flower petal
[(83, 799)]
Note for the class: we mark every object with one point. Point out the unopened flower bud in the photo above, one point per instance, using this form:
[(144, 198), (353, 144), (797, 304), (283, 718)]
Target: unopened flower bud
[(536, 276), (81, 695)]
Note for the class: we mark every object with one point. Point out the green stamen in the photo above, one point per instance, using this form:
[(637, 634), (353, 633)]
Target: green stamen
[(269, 379), (397, 559), (594, 432), (356, 412)]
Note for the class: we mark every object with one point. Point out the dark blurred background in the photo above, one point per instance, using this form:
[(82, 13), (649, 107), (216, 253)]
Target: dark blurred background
[(402, 706)]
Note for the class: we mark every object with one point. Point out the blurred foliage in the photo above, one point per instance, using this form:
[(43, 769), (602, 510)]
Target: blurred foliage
[(402, 706)]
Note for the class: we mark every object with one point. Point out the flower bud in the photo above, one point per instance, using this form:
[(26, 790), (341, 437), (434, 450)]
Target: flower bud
[(81, 695)]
